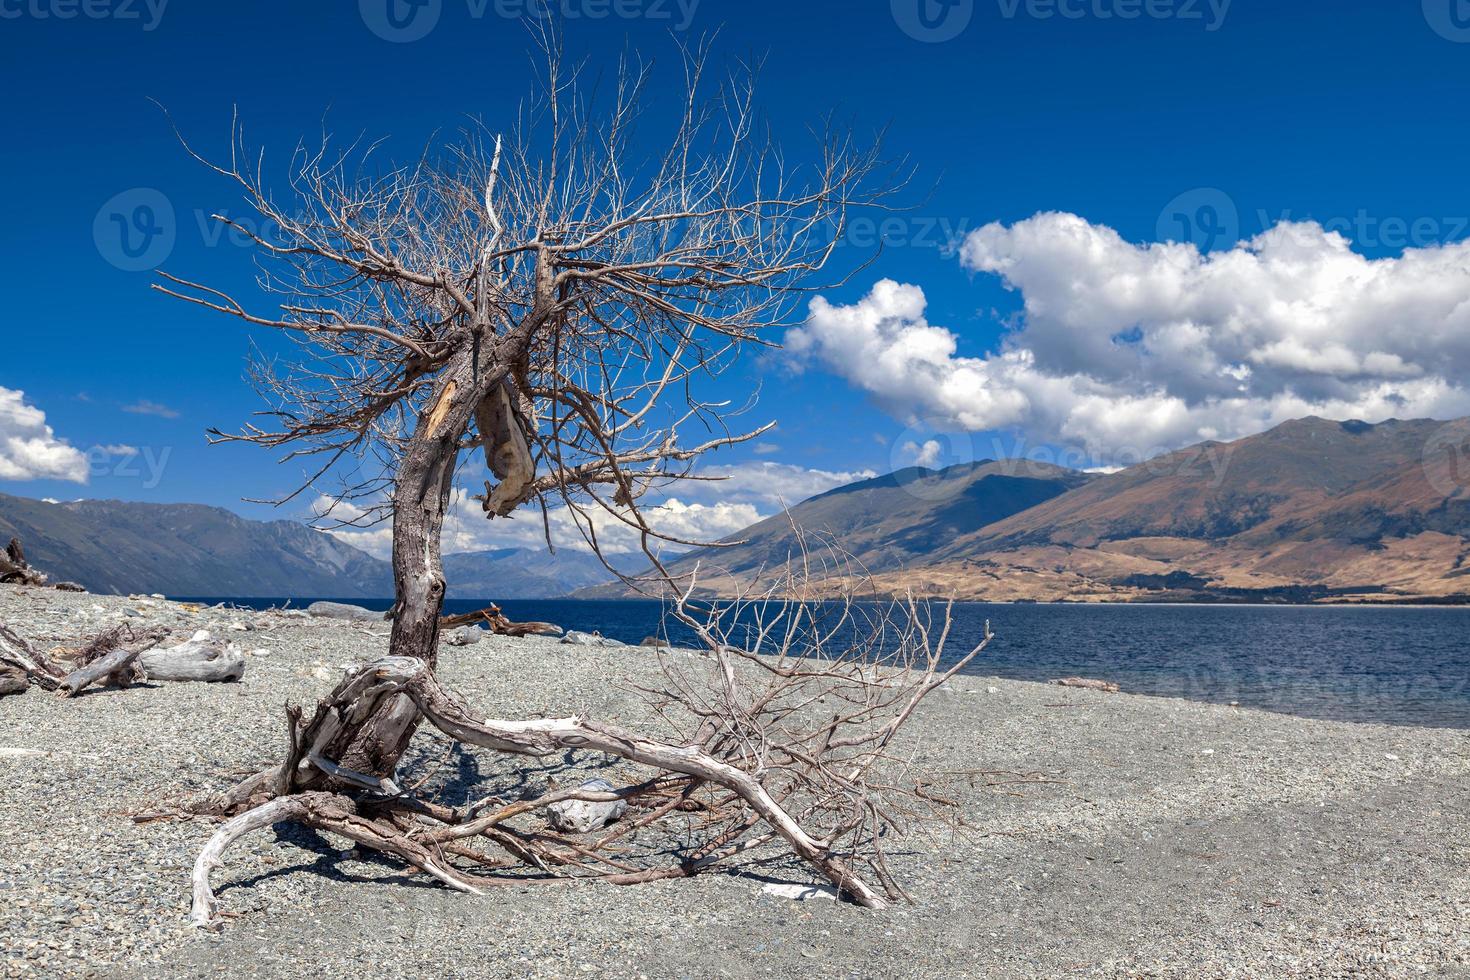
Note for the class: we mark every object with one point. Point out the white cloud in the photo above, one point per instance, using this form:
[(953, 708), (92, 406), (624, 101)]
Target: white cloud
[(702, 511), (145, 407), (929, 454), (29, 449), (1127, 348), (770, 486)]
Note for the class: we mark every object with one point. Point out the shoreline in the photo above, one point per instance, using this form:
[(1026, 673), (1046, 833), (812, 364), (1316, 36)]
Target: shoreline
[(1118, 835), (1453, 602)]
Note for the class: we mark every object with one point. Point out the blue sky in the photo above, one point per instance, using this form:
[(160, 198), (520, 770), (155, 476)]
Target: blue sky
[(1137, 119)]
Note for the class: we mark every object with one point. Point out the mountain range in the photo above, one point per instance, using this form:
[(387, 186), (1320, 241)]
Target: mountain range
[(1312, 509), (112, 546)]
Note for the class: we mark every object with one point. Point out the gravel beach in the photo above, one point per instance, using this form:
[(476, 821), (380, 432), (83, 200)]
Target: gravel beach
[(1115, 836)]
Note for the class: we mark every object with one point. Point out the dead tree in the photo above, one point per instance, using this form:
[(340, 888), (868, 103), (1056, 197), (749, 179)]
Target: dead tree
[(783, 729), (551, 297), (15, 570)]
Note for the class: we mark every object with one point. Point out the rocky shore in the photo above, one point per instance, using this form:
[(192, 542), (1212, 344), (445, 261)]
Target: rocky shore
[(1109, 835)]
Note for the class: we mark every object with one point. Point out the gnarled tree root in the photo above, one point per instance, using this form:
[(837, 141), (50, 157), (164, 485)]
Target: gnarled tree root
[(311, 789)]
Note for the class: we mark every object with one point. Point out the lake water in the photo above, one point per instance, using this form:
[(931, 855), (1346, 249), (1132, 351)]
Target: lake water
[(1394, 665)]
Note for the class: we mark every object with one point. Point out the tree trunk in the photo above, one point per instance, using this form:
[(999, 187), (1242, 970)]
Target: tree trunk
[(420, 502), (422, 489)]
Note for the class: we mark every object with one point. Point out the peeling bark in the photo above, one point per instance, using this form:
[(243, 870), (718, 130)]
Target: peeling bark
[(507, 453)]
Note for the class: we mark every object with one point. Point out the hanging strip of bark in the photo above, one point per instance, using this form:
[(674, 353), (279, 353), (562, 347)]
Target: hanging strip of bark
[(507, 453)]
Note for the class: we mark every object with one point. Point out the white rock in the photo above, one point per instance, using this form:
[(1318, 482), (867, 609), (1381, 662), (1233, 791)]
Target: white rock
[(464, 636), (801, 893), (582, 816), (589, 640)]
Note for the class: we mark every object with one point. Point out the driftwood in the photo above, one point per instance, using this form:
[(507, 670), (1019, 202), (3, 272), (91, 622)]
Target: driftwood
[(110, 659), (342, 610), (200, 658), (781, 747), (494, 620), (13, 680), (15, 570), (1089, 684)]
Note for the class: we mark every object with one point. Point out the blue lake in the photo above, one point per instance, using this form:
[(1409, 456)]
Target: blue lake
[(1394, 665)]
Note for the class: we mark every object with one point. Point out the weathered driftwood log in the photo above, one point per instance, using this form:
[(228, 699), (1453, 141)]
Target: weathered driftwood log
[(494, 620), (200, 658), (580, 639), (110, 658), (1088, 683), (342, 610), (13, 680), (17, 655)]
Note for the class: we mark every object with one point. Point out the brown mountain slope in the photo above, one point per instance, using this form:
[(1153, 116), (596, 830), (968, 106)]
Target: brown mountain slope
[(1312, 509), (1217, 490), (885, 524), (1312, 504)]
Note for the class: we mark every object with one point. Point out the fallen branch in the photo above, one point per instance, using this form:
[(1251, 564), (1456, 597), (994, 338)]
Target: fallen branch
[(109, 658), (493, 619), (1088, 684)]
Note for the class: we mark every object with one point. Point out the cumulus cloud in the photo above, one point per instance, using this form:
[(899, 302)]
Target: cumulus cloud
[(701, 511), (29, 449), (928, 454), (769, 486), (1124, 348)]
